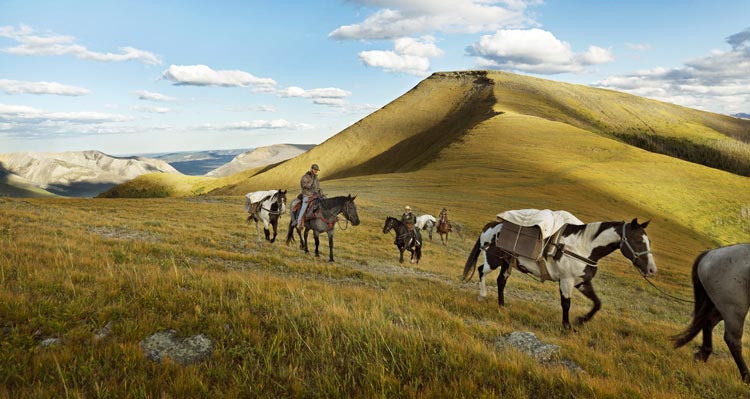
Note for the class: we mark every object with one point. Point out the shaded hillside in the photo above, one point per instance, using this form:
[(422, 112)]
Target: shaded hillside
[(12, 185), (78, 173)]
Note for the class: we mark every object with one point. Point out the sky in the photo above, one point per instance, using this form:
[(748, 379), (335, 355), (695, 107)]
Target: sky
[(136, 77)]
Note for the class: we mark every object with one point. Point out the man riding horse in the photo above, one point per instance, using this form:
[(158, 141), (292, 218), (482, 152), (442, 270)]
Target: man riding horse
[(310, 190), (409, 220), (443, 218)]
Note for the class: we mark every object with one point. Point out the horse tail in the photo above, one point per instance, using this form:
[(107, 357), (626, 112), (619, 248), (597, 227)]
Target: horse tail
[(471, 262), (701, 313), (290, 234)]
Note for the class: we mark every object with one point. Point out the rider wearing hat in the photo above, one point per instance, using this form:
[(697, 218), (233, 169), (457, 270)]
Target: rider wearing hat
[(409, 220), (443, 218), (310, 188)]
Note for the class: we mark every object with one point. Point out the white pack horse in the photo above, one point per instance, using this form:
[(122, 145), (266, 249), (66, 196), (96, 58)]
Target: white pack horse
[(266, 206), (574, 263), (426, 222)]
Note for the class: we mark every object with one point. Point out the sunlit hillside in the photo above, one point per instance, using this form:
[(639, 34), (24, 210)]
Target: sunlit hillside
[(288, 325)]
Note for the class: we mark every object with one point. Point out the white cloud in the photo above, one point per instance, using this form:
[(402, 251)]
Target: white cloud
[(151, 96), (331, 96), (333, 102), (260, 124), (638, 46), (396, 63), (201, 75), (9, 112), (718, 82), (266, 108), (411, 56), (326, 92), (21, 87), (153, 110), (534, 50), (411, 46), (402, 18), (31, 43)]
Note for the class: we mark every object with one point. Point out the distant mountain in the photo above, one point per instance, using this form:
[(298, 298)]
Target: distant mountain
[(197, 163), (260, 156), (72, 174), (742, 115)]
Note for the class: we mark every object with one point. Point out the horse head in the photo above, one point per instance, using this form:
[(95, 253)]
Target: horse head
[(390, 223), (350, 210), (281, 200), (636, 246)]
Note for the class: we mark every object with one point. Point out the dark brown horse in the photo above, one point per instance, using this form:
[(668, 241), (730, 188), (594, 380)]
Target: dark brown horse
[(444, 226), (404, 240)]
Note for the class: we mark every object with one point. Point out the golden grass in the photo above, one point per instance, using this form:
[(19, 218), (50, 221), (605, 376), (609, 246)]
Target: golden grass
[(288, 325)]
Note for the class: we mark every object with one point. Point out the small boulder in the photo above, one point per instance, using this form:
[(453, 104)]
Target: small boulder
[(183, 351)]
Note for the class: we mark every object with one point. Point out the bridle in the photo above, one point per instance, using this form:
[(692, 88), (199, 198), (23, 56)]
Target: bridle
[(625, 243)]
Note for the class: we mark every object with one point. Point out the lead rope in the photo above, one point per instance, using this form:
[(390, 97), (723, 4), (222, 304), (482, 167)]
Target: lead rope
[(665, 293)]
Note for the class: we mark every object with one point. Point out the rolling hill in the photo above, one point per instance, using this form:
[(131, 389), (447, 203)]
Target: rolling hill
[(258, 157), (77, 173)]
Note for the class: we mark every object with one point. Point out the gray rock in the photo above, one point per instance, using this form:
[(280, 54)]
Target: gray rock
[(183, 351), (50, 342), (104, 332), (528, 343)]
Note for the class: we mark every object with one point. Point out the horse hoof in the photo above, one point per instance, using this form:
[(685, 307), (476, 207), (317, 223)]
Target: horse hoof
[(580, 321), (482, 298)]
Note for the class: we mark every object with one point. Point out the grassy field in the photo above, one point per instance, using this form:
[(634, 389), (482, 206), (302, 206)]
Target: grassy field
[(287, 325)]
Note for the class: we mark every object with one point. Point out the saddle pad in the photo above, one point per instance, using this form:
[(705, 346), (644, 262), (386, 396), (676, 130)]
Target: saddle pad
[(258, 196)]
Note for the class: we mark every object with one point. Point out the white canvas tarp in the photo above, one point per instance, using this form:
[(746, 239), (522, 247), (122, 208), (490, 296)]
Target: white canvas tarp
[(548, 221), (257, 196)]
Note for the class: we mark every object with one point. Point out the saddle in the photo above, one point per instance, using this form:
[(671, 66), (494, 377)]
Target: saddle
[(312, 207)]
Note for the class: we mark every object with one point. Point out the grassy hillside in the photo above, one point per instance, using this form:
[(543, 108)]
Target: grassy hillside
[(288, 325)]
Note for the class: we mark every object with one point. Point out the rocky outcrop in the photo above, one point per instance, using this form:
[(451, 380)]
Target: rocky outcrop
[(183, 351)]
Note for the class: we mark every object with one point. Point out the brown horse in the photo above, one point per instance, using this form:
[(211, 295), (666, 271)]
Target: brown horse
[(444, 226)]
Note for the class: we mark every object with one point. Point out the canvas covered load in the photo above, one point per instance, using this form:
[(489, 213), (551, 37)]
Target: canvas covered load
[(256, 197), (524, 231)]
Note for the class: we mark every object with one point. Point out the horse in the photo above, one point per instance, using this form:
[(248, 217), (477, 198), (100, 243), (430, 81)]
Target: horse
[(721, 288), (402, 233), (443, 228), (574, 263), (426, 222), (323, 220), (269, 208)]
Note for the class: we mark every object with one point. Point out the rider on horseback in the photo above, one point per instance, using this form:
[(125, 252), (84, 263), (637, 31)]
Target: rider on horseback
[(409, 220), (444, 219), (310, 189)]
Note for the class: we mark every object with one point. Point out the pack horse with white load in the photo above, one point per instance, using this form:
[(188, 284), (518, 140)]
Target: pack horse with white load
[(266, 206), (556, 246)]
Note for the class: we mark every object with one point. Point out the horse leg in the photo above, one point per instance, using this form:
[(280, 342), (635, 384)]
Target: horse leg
[(316, 235), (419, 253), (411, 252), (566, 292), (587, 289), (307, 231), (733, 325), (430, 232), (483, 270), (302, 243), (401, 254), (706, 348), (502, 278), (330, 246), (274, 224), (266, 231), (257, 227)]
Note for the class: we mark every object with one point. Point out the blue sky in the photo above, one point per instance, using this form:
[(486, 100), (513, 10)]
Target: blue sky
[(159, 76)]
